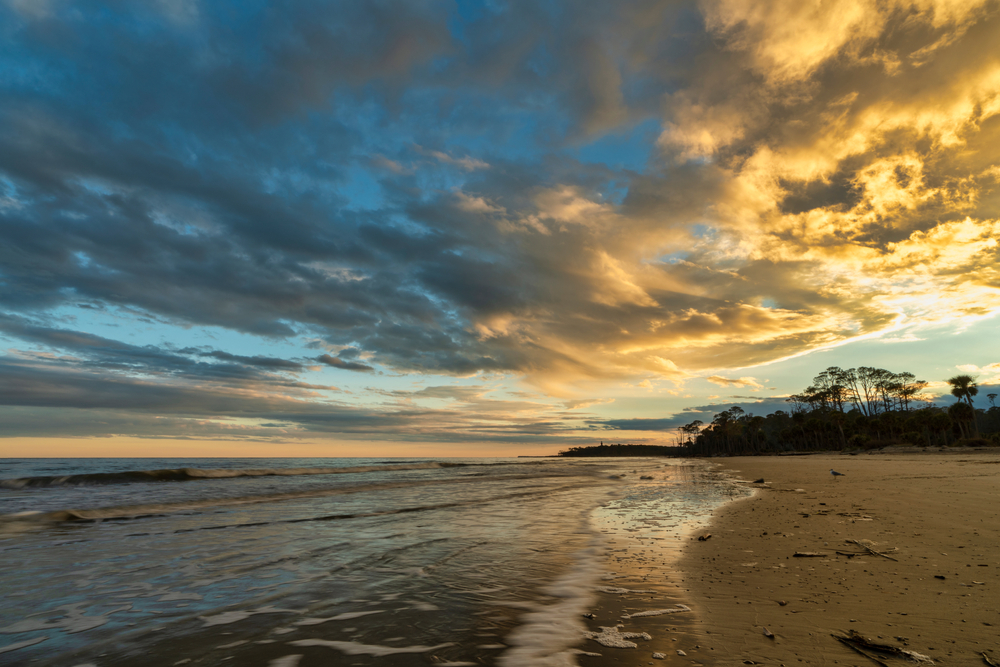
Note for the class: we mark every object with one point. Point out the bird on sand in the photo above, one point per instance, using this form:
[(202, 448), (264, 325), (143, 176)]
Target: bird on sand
[(835, 473)]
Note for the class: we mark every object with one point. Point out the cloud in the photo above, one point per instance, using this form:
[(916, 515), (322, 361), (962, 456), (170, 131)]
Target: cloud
[(740, 382), (336, 362), (703, 413), (259, 361), (96, 352), (988, 374), (466, 163), (56, 398)]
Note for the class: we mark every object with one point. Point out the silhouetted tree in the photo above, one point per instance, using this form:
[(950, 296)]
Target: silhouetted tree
[(962, 413), (908, 388), (863, 407), (868, 382), (964, 386)]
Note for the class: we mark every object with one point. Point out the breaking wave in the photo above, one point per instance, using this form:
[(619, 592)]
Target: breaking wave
[(189, 474), (14, 523)]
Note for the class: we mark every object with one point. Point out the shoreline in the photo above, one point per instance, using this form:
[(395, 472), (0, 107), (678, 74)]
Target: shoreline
[(641, 590), (936, 514)]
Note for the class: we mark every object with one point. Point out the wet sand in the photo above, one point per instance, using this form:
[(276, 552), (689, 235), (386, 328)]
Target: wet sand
[(937, 514), (641, 592), (639, 585)]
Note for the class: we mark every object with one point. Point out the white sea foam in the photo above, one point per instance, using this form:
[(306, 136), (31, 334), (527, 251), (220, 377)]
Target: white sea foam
[(612, 637), (354, 648), (482, 591), (72, 622), (623, 591), (339, 617), (24, 644), (576, 651), (546, 635), (28, 626), (171, 597), (658, 612), (423, 606), (286, 661), (227, 617)]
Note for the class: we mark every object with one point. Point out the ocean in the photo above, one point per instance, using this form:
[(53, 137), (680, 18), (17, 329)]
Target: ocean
[(359, 561)]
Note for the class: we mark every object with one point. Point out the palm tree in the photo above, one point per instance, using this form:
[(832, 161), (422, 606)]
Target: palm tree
[(964, 386), (961, 413), (940, 423)]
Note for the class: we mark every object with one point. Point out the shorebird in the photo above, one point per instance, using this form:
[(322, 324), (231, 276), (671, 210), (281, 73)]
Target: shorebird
[(835, 473)]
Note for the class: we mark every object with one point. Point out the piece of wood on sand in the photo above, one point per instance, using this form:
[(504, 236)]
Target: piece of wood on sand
[(863, 645), (872, 551)]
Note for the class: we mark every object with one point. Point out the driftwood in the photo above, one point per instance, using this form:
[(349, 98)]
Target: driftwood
[(846, 642), (808, 554), (857, 641), (872, 551)]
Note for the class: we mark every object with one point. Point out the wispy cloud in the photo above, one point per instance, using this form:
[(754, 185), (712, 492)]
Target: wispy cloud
[(737, 382), (337, 362)]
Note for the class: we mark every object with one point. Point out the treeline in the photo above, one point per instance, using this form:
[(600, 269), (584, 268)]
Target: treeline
[(621, 450), (857, 408), (871, 391)]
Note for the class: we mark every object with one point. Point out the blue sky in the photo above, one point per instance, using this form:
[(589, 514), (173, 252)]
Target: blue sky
[(481, 228)]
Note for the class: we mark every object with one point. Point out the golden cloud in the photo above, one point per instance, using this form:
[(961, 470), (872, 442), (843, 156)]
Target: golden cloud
[(735, 382), (831, 174)]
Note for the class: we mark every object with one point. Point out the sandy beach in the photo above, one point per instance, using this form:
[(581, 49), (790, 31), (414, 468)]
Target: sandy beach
[(936, 516)]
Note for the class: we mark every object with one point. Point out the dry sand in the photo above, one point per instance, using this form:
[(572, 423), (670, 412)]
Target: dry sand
[(937, 514)]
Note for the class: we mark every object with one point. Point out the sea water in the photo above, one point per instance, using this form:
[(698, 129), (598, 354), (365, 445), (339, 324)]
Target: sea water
[(300, 562)]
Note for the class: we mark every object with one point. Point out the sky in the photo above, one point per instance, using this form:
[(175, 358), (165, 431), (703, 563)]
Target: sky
[(428, 228)]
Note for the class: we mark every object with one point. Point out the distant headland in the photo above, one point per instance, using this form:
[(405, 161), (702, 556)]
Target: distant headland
[(621, 450)]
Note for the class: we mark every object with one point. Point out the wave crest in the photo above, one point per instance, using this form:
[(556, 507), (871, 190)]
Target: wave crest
[(189, 474)]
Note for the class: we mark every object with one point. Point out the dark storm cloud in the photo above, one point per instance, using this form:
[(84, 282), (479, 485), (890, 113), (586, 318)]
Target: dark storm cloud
[(256, 360), (639, 424), (104, 353), (185, 175), (343, 365), (46, 397), (703, 413)]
